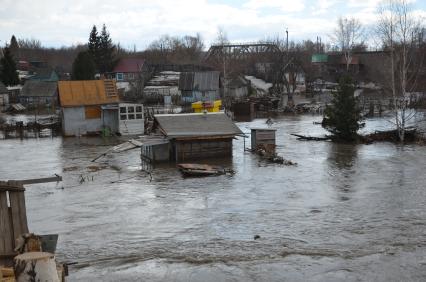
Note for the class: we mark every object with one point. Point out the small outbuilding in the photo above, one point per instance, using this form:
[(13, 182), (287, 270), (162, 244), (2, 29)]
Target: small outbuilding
[(88, 107), (39, 93), (263, 138), (197, 135), (199, 86)]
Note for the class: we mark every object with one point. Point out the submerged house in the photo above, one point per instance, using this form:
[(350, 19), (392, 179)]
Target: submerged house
[(194, 136), (88, 106), (199, 86), (39, 93)]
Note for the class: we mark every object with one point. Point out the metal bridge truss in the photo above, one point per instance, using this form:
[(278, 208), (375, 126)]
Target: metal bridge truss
[(218, 53)]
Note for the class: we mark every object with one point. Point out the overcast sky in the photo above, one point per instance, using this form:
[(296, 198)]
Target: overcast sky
[(138, 22)]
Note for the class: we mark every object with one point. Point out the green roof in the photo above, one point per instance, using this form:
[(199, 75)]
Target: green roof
[(319, 58)]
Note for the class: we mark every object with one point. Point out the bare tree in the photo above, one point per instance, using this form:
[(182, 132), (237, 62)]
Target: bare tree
[(187, 49), (348, 34), (399, 29), (221, 37)]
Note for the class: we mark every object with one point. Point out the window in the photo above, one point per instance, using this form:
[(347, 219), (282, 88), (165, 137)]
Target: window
[(131, 109), (119, 76), (123, 117), (131, 76), (92, 112), (131, 116), (138, 109), (138, 116), (123, 110)]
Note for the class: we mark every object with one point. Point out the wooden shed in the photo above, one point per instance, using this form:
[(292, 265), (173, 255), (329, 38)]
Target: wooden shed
[(263, 137), (198, 135)]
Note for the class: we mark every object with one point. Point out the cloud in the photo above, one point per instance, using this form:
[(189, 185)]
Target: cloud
[(139, 22), (284, 5), (323, 6)]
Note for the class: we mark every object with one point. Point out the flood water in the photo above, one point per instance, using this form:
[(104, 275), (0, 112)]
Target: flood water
[(345, 212)]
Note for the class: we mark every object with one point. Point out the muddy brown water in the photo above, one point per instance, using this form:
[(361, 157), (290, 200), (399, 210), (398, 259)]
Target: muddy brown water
[(345, 212)]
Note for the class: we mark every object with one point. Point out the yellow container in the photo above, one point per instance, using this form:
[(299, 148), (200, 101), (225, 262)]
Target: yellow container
[(211, 107)]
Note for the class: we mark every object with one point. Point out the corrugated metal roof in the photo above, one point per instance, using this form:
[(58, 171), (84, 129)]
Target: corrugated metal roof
[(200, 81), (193, 125), (129, 65), (3, 88), (39, 89), (85, 93)]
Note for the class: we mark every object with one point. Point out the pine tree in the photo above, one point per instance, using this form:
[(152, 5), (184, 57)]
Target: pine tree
[(14, 47), (343, 116), (83, 67), (8, 74), (94, 46), (106, 51)]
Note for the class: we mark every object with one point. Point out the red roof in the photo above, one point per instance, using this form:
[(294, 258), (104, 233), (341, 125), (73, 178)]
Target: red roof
[(129, 65)]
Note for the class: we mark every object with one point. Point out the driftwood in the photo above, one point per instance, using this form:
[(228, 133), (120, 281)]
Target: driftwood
[(311, 138), (411, 135), (268, 154)]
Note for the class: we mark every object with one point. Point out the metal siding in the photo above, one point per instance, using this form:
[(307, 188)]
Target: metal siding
[(74, 122)]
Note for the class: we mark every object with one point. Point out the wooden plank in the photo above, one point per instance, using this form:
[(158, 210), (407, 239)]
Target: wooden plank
[(55, 178), (18, 213), (4, 188), (6, 236)]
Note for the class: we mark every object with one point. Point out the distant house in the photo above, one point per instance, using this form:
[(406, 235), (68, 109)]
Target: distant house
[(196, 136), (199, 86), (127, 69), (237, 88), (88, 107), (162, 88), (39, 93), (44, 74), (4, 95)]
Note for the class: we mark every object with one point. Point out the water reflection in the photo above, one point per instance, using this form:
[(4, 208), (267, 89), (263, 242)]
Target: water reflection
[(342, 156)]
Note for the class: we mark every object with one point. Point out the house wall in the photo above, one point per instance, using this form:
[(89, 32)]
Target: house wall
[(238, 93), (156, 152), (262, 137), (4, 99), (39, 100), (74, 122), (201, 149), (194, 96), (243, 111)]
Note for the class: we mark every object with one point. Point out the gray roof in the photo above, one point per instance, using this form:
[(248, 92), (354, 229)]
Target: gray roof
[(43, 74), (3, 88), (39, 89), (201, 81), (193, 125)]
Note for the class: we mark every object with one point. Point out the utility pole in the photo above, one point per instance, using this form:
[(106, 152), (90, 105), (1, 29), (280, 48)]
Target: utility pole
[(286, 31)]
